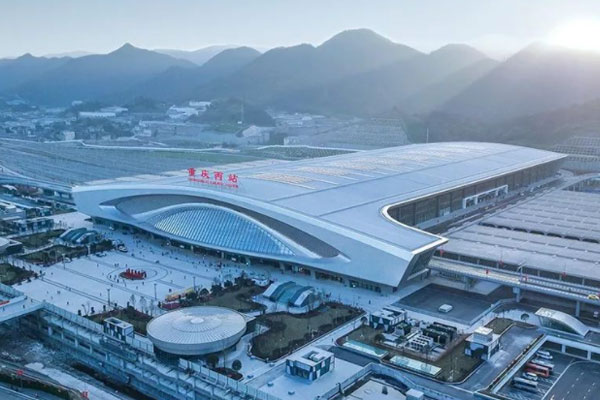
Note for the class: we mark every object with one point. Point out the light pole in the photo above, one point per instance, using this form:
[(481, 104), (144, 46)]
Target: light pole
[(155, 296), (108, 290)]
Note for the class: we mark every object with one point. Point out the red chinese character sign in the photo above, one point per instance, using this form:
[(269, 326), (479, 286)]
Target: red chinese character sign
[(216, 178)]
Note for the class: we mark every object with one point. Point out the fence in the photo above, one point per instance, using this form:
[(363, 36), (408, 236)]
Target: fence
[(9, 291), (225, 382)]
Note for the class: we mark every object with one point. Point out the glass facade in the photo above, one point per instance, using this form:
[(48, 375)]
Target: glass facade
[(425, 209), (219, 227)]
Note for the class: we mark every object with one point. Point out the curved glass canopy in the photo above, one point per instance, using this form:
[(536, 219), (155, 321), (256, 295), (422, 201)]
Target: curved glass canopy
[(219, 227)]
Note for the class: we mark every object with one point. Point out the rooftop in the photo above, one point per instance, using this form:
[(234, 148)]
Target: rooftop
[(557, 232), (196, 325), (351, 190)]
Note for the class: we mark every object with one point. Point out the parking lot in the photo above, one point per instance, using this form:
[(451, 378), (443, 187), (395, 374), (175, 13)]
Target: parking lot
[(580, 381), (546, 386)]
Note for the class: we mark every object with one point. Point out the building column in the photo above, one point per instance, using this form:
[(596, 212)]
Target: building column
[(577, 308), (517, 292)]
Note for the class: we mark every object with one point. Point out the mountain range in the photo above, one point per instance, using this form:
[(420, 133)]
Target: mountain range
[(355, 73), (197, 57)]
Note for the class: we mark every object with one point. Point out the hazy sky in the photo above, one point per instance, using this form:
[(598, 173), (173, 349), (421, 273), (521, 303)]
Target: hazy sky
[(495, 26)]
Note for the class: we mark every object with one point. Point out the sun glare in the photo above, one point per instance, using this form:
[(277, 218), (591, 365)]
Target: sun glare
[(581, 34)]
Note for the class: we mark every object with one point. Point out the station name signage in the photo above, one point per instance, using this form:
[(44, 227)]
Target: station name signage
[(215, 178)]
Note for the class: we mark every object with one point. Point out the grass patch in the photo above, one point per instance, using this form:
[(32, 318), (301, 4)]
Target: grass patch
[(455, 365), (287, 332), (11, 275), (57, 253), (499, 325), (138, 319), (39, 239), (237, 297)]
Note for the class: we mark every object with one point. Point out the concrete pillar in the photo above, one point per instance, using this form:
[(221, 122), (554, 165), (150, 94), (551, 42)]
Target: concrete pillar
[(563, 348), (517, 292), (577, 308)]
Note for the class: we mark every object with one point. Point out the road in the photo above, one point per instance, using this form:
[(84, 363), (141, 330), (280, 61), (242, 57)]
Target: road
[(580, 381)]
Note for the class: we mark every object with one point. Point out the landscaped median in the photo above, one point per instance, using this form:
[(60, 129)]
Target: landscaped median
[(11, 275), (57, 253), (288, 332)]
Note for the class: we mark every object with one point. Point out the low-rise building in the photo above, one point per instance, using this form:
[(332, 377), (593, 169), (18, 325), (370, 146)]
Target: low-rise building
[(67, 135), (30, 225), (10, 211), (387, 319), (118, 329), (311, 365), (483, 343), (96, 114)]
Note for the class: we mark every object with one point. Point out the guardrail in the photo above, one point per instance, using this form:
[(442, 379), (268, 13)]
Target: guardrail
[(225, 382), (380, 369), (504, 375), (8, 291)]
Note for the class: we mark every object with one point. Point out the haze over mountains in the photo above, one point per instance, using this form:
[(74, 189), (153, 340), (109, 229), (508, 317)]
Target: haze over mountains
[(355, 73)]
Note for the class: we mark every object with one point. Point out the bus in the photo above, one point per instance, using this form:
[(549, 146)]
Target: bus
[(525, 384), (543, 363), (537, 369)]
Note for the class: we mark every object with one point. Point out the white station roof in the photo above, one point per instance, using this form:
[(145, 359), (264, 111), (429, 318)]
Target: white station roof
[(351, 189), (196, 330), (339, 201)]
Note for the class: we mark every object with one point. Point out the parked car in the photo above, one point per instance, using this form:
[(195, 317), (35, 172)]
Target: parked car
[(530, 375), (544, 354)]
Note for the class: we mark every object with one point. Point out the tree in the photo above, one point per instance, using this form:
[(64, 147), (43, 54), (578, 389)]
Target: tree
[(212, 360), (379, 337), (236, 365)]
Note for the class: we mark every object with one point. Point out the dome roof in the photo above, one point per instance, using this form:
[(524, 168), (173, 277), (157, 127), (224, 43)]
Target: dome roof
[(196, 330)]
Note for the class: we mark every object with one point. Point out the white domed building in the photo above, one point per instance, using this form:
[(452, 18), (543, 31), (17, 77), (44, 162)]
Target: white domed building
[(196, 331)]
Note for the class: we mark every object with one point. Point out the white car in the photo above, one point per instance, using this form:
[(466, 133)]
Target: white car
[(545, 355), (530, 376)]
